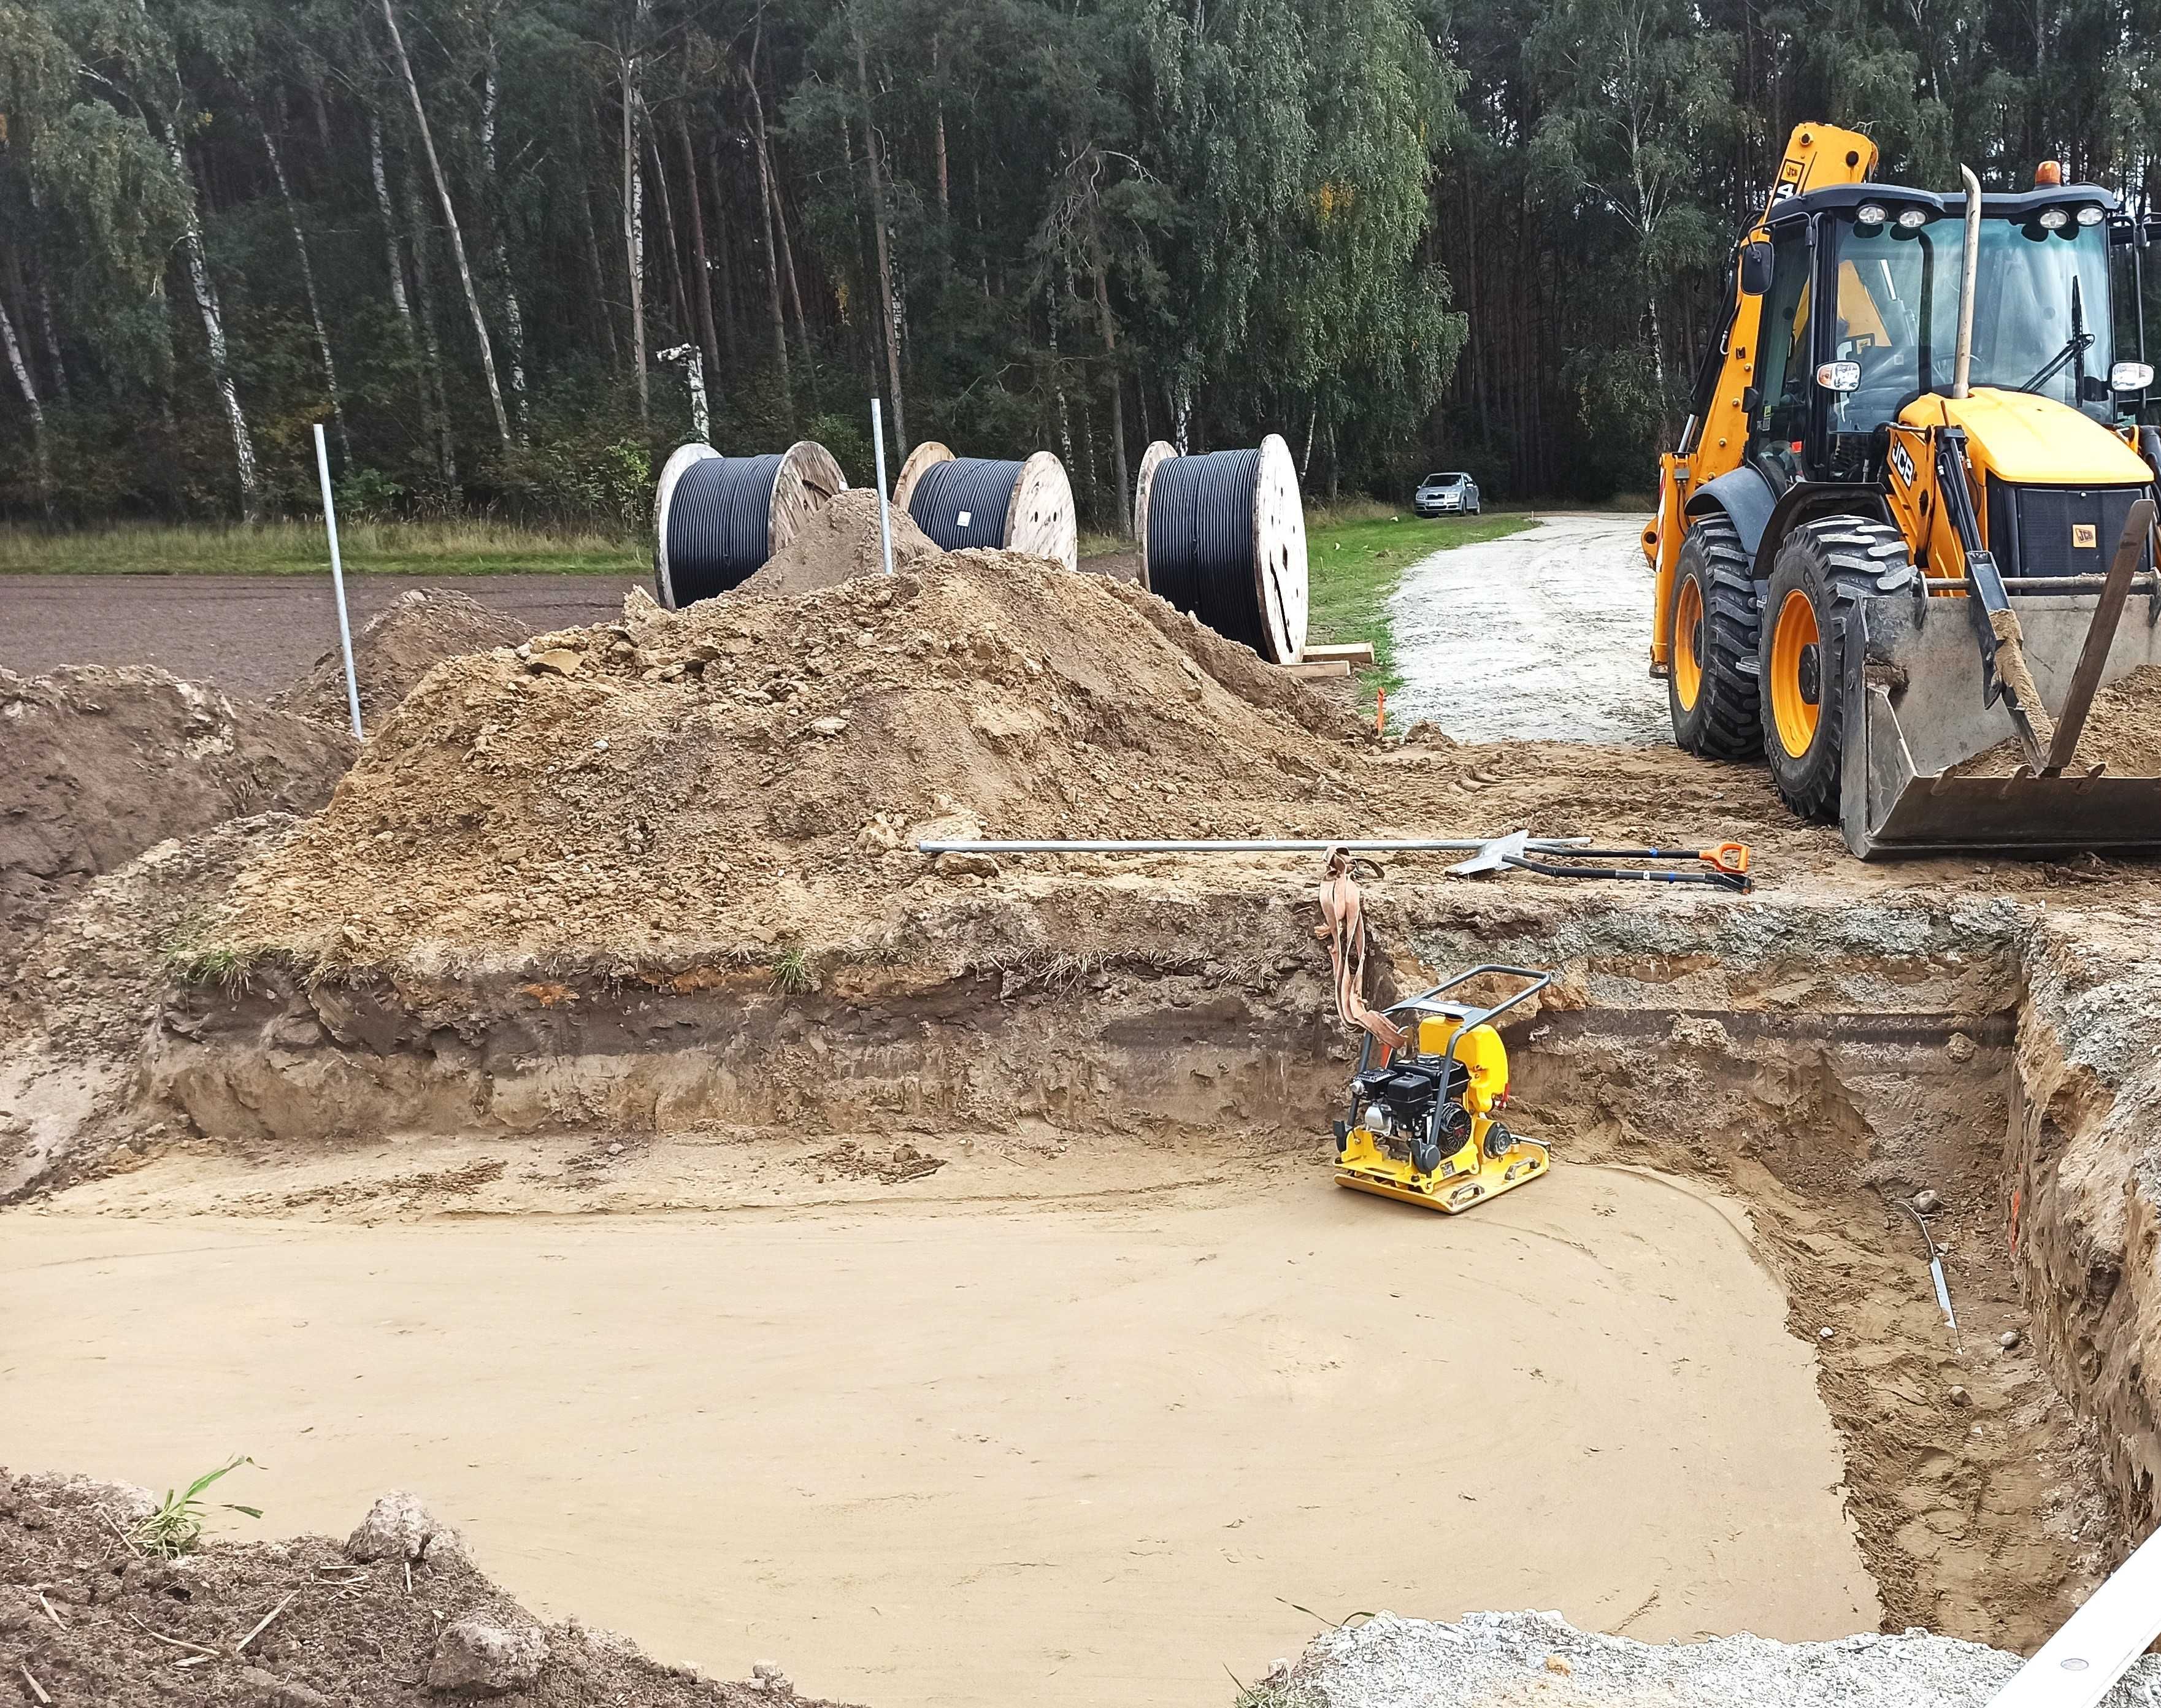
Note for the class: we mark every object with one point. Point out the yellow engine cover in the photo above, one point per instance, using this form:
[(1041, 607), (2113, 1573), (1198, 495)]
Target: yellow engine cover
[(1482, 1052)]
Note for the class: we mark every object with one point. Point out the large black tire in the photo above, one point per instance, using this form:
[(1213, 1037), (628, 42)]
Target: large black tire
[(1711, 676), (1821, 569)]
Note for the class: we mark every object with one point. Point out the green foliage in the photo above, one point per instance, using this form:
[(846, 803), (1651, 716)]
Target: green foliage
[(176, 1527), (792, 972), (1400, 233)]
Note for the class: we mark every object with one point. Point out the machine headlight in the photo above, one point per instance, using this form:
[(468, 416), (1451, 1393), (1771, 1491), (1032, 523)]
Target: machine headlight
[(1870, 214), (2053, 219), (1839, 376), (2130, 376), (2089, 216), (1912, 219)]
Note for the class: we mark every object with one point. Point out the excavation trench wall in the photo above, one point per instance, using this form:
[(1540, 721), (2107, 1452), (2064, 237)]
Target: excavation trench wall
[(1823, 1063)]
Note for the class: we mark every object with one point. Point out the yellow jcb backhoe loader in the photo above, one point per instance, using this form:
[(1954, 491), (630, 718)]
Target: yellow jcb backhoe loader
[(1909, 506)]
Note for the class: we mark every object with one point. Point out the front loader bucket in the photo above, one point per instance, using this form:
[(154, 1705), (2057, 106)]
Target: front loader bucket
[(1918, 683)]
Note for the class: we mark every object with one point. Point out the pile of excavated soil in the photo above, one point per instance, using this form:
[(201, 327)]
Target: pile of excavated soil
[(96, 765), (838, 543), (754, 770), (397, 647), (398, 1616), (2122, 732), (1516, 1660)]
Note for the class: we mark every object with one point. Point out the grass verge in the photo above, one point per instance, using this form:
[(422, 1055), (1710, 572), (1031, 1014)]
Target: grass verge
[(456, 548), (1356, 565)]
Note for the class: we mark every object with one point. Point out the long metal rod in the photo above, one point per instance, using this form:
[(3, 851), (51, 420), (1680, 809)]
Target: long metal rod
[(1548, 845), (1962, 359), (337, 583), (877, 438)]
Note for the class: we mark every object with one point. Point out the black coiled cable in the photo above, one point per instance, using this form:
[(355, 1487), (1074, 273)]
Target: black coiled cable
[(964, 485), (720, 525), (1200, 541)]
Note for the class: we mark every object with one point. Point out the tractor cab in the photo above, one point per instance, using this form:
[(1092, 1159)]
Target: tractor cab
[(1859, 287)]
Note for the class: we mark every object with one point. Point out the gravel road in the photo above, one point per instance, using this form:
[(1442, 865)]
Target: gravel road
[(1543, 636), (250, 634)]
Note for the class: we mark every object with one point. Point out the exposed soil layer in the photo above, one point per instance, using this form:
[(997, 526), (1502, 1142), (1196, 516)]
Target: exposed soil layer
[(73, 1027), (395, 649), (253, 635), (2122, 733), (86, 1617), (96, 765)]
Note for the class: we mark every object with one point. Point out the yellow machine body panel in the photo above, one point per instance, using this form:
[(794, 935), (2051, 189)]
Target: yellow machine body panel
[(2011, 436), (1817, 155), (1482, 1052), (2033, 440)]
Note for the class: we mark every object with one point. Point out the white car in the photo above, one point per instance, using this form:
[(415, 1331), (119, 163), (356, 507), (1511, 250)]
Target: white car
[(1446, 495)]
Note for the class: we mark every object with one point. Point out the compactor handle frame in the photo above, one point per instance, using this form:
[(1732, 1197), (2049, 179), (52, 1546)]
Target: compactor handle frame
[(1539, 980)]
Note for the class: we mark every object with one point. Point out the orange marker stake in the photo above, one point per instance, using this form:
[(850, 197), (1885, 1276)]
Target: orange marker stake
[(1380, 711)]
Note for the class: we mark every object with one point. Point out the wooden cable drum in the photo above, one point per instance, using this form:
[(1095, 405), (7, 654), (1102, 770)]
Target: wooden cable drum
[(717, 519), (1223, 538), (965, 501)]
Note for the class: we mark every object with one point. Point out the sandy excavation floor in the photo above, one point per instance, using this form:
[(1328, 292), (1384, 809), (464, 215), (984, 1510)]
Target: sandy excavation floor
[(929, 1454)]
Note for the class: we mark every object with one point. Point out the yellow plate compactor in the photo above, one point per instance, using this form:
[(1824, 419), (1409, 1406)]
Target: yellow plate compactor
[(1424, 1124)]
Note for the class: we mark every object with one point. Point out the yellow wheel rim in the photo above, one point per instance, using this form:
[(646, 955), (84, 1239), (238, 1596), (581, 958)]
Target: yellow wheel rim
[(1791, 638), (1688, 665)]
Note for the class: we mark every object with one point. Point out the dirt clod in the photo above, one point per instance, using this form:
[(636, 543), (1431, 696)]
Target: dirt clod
[(478, 1657), (840, 542), (394, 650), (97, 765)]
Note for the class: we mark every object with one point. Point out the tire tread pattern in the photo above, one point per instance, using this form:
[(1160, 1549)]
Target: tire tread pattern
[(1732, 722), (1859, 558)]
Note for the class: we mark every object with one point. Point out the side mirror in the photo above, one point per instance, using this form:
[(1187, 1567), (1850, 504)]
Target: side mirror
[(1755, 268)]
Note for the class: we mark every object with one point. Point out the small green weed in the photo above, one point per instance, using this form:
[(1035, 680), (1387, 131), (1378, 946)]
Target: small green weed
[(176, 1528), (192, 961), (792, 974)]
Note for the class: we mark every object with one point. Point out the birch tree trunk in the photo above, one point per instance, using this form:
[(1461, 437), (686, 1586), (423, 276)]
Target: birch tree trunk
[(450, 222), (308, 287), (725, 248), (890, 304), (1050, 294), (446, 453), (41, 452), (679, 294), (944, 174), (633, 225), (601, 305), (422, 356), (787, 271), (213, 320), (53, 340), (513, 318), (1110, 325), (709, 345), (765, 199)]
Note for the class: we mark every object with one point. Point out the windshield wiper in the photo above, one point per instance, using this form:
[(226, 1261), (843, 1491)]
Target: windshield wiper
[(2075, 348)]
